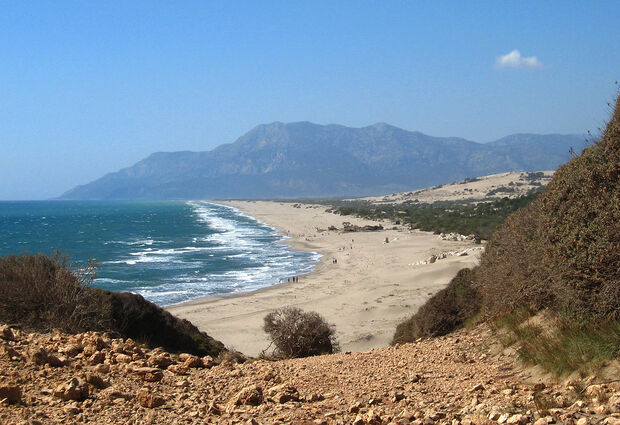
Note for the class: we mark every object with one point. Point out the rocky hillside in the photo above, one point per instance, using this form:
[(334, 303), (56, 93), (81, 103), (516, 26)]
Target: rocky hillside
[(309, 160), (457, 379)]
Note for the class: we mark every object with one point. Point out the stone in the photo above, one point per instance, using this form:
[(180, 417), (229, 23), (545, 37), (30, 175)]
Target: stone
[(517, 419), (582, 421), (112, 393), (12, 393), (96, 381), (213, 408), (10, 353), (55, 361), (102, 368), (208, 362), (161, 361), (251, 396), (149, 374), (89, 349), (71, 350), (354, 408), (72, 408), (178, 369), (503, 418), (614, 403), (397, 396), (38, 355), (494, 415), (7, 333), (372, 418), (283, 393), (602, 409), (123, 358), (75, 389), (96, 358), (193, 362), (149, 400)]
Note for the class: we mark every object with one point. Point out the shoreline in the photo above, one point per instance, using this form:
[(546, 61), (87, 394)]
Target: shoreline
[(373, 286)]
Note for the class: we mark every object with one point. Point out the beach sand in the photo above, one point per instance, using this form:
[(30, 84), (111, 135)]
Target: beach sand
[(373, 286)]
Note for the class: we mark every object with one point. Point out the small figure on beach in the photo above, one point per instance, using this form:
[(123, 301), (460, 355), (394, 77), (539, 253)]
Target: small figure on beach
[(387, 240)]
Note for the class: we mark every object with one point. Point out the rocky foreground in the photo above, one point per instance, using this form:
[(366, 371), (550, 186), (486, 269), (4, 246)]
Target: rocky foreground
[(92, 378)]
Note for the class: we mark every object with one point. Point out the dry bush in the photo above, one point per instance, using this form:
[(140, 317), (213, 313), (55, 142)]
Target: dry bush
[(444, 312), (296, 333), (42, 293)]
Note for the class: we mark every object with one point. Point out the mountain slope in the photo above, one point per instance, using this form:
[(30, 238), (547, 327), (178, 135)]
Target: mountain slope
[(305, 159)]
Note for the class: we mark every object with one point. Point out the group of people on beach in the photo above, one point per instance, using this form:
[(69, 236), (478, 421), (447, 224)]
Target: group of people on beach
[(293, 279)]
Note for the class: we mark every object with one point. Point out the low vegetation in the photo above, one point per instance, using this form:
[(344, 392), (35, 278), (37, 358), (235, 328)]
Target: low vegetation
[(480, 219), (42, 293), (558, 344), (445, 311), (549, 278), (296, 333)]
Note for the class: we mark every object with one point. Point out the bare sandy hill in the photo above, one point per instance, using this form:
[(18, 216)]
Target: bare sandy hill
[(477, 189)]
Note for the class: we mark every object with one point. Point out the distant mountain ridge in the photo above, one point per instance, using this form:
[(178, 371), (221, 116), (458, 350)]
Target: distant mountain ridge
[(303, 159)]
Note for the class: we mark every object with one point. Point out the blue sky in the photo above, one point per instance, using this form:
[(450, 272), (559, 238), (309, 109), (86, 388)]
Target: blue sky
[(91, 87)]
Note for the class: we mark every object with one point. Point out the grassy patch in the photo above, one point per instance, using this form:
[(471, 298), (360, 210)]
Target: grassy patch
[(559, 345)]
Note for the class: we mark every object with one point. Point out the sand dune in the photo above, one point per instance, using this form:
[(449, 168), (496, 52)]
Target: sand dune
[(373, 286), (479, 189)]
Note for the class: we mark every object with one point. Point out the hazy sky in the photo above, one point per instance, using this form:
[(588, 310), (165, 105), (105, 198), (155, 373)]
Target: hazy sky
[(89, 87)]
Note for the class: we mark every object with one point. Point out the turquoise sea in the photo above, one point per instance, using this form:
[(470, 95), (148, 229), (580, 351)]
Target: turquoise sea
[(169, 252)]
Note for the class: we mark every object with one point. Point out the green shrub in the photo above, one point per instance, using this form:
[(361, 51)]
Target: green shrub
[(563, 251), (296, 333), (444, 312)]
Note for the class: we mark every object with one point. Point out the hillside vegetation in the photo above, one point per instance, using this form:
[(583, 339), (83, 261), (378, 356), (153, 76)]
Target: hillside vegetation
[(42, 293), (480, 219), (559, 255)]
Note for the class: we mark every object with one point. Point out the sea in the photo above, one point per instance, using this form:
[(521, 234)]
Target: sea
[(169, 252)]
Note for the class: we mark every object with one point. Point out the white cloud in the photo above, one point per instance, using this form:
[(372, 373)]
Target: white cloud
[(515, 60)]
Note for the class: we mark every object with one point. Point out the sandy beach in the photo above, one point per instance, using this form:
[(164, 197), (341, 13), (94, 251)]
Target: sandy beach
[(372, 286)]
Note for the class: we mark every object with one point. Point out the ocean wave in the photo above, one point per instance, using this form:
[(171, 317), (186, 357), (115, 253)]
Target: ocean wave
[(136, 242)]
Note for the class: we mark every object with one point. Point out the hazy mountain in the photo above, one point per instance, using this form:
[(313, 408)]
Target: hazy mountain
[(309, 160)]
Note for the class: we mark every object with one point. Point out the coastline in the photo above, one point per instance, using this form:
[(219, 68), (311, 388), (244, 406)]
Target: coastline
[(373, 286)]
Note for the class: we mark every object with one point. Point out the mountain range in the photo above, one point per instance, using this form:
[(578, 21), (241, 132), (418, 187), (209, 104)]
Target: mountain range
[(303, 159)]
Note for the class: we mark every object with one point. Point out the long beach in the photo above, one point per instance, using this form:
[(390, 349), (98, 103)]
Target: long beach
[(362, 285)]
